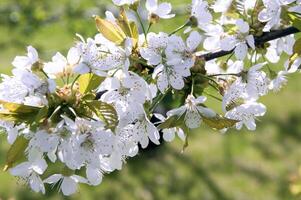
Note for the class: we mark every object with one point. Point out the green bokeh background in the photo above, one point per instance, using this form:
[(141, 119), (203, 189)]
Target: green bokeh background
[(236, 165)]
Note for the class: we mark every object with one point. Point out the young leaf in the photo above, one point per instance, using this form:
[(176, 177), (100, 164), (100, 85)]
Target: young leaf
[(18, 112), (16, 152), (296, 53), (17, 117), (18, 108), (42, 114), (129, 28), (171, 122), (89, 82), (110, 30), (105, 112), (219, 122), (297, 47)]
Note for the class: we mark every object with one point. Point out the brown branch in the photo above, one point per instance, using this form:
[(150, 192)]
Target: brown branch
[(259, 41)]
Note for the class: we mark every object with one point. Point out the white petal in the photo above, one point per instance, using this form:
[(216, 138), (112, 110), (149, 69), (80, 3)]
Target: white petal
[(21, 62), (241, 51), (243, 26), (193, 41), (228, 43), (211, 43), (39, 166), (162, 82), (200, 99), (53, 178), (94, 175), (81, 68), (250, 124), (163, 11), (69, 186), (207, 112), (36, 184), (73, 56), (153, 133), (52, 156), (32, 54), (181, 134), (12, 135), (264, 16), (251, 41), (177, 111), (176, 81), (21, 169), (151, 5), (192, 119), (110, 16), (168, 135)]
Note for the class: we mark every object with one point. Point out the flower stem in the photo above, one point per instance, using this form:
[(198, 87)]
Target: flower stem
[(158, 100), (45, 73), (149, 27), (230, 74), (74, 81), (141, 23), (180, 28)]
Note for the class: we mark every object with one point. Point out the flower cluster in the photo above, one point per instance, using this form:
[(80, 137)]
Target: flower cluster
[(87, 112)]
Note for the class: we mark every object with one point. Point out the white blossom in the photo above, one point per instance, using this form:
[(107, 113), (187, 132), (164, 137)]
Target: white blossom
[(240, 41), (192, 111), (246, 114), (156, 45), (271, 14), (26, 62), (123, 2), (199, 10), (31, 171), (68, 184), (161, 10), (180, 58), (61, 66)]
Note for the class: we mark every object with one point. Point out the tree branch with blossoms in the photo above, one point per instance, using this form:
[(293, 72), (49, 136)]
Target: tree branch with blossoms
[(266, 37), (91, 110)]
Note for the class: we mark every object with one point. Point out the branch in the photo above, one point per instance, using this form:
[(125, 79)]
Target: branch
[(266, 37)]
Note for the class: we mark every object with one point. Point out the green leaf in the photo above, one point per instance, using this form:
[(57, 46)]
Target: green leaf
[(186, 142), (219, 122), (105, 112), (17, 117), (18, 108), (42, 114), (296, 21), (296, 53), (129, 28), (18, 112), (89, 82), (172, 121), (16, 152), (297, 47), (110, 30)]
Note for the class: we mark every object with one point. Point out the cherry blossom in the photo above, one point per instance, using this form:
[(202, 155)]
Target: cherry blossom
[(93, 109), (26, 62), (240, 42), (68, 183), (161, 10)]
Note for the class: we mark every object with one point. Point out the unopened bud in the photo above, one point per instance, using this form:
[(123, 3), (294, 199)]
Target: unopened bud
[(193, 21), (153, 18), (199, 65), (134, 6), (38, 66)]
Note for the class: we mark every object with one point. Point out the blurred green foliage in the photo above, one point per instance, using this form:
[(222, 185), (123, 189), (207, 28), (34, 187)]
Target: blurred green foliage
[(237, 165)]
